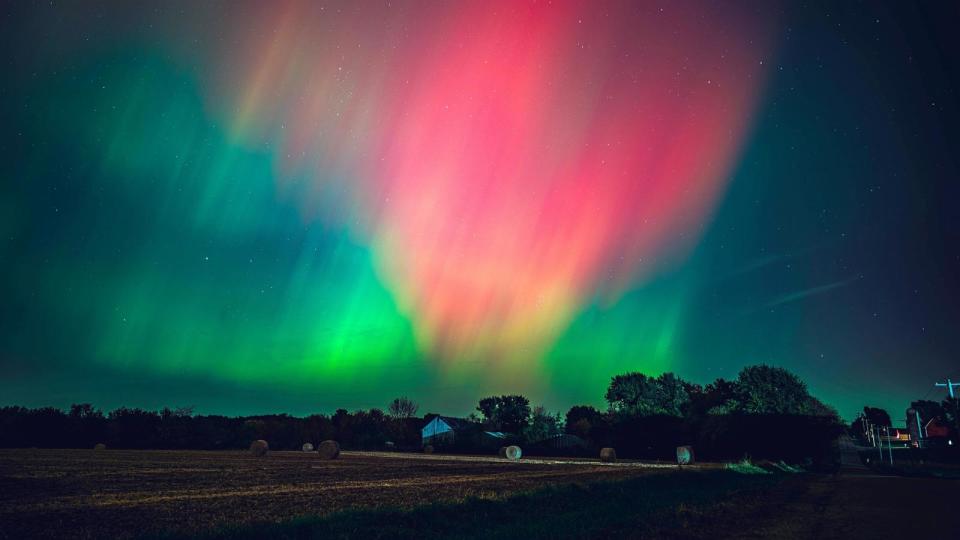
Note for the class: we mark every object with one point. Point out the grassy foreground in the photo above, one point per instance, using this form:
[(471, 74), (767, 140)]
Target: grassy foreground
[(678, 504)]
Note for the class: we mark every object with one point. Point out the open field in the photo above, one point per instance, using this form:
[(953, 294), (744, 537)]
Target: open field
[(130, 493), (120, 493)]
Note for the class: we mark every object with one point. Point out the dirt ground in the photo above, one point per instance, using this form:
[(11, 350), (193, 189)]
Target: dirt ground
[(118, 493), (122, 494), (852, 504), (847, 507)]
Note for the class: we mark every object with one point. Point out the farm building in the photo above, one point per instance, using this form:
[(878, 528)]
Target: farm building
[(937, 428), (494, 439), (563, 444), (562, 441), (446, 430)]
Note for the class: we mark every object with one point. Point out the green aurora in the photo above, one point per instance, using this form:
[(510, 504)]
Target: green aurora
[(151, 256)]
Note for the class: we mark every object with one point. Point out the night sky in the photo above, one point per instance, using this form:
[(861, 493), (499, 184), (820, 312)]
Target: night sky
[(294, 207)]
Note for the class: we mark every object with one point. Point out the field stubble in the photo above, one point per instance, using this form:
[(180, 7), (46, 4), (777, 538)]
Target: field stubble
[(125, 493)]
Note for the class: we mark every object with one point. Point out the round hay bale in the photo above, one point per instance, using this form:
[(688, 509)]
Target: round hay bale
[(307, 447), (100, 446), (428, 449), (329, 449), (685, 455), (259, 448), (608, 455), (512, 453)]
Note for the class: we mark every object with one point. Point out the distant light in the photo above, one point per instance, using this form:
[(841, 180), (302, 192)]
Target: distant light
[(950, 442)]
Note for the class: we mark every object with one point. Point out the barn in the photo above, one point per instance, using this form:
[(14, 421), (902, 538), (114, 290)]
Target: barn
[(446, 430)]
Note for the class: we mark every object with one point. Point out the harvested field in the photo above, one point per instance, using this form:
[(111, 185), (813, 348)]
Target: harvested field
[(124, 493)]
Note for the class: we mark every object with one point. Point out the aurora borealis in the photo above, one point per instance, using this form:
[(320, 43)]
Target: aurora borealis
[(299, 206)]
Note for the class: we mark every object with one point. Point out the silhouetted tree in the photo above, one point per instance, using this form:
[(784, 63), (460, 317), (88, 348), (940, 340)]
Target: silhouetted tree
[(179, 412), (369, 429), (815, 407), (403, 407), (581, 419), (718, 397), (649, 417), (317, 428), (542, 425), (951, 411), (770, 390), (927, 409), (83, 411), (505, 413), (87, 425), (637, 394), (133, 428), (876, 416)]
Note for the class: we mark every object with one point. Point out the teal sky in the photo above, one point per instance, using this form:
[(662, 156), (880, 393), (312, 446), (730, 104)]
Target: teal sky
[(161, 245)]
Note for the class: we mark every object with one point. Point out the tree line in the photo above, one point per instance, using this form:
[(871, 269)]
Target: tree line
[(84, 426), (766, 412)]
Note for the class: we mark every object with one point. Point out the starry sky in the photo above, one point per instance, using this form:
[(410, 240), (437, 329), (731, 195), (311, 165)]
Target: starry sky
[(256, 207)]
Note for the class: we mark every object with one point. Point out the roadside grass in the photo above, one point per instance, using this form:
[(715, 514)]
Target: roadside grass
[(787, 468), (658, 505), (745, 466)]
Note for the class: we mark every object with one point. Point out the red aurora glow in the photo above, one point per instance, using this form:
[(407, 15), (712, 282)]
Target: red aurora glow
[(507, 162)]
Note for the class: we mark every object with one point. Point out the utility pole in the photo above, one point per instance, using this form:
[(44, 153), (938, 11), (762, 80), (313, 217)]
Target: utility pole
[(916, 415), (948, 385), (879, 442), (889, 446)]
